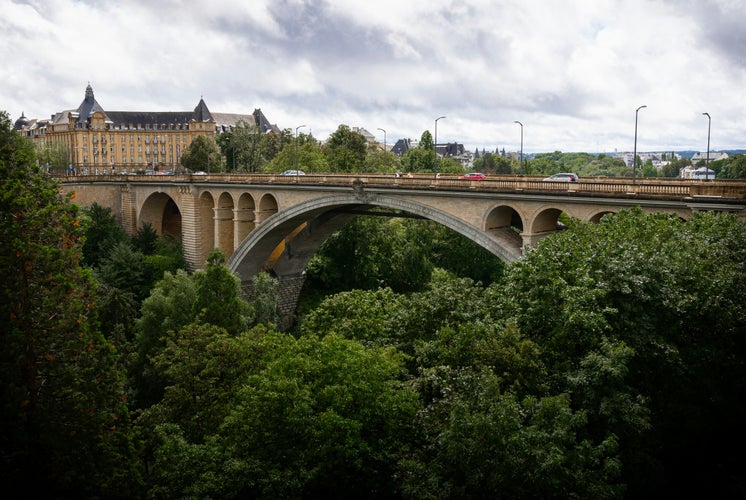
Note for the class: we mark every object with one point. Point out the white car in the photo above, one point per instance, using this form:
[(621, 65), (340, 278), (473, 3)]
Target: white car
[(562, 177), (293, 172)]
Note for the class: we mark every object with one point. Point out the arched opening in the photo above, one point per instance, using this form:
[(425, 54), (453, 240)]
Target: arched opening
[(224, 229), (267, 208), (283, 243), (596, 218), (207, 226), (244, 218), (505, 223), (162, 213)]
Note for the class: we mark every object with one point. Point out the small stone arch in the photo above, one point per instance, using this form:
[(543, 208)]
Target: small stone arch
[(207, 225), (506, 224), (596, 218), (245, 217), (267, 208), (224, 227)]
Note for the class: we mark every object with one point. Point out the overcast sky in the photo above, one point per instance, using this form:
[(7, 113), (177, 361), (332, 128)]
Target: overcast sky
[(572, 71)]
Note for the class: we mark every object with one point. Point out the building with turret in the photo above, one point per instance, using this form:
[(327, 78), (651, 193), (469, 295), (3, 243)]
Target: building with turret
[(99, 141)]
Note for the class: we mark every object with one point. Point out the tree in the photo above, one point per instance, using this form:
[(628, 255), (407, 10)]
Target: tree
[(54, 157), (218, 298), (169, 307), (733, 167), (307, 154), (661, 300), (421, 158), (202, 154), (345, 150), (265, 299), (244, 148), (126, 269), (64, 419), (102, 233), (324, 417)]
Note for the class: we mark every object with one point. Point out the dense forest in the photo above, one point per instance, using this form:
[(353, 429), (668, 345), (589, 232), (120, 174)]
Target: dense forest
[(607, 363)]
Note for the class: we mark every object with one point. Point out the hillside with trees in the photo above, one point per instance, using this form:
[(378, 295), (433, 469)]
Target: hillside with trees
[(607, 363)]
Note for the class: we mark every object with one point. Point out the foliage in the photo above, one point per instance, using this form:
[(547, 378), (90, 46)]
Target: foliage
[(125, 268), (485, 443), (421, 158), (168, 308), (493, 164), (374, 252), (145, 239), (345, 150), (377, 160), (733, 167), (202, 154), (307, 154), (324, 417), (369, 253), (265, 299), (65, 424), (245, 147), (102, 233), (54, 156), (265, 415), (674, 166), (583, 164), (219, 298), (663, 301)]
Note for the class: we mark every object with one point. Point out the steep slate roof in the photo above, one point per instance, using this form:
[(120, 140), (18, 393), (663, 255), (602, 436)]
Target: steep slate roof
[(201, 113), (88, 106)]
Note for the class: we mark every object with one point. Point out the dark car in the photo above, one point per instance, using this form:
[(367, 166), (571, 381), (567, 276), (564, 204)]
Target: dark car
[(473, 176), (562, 177)]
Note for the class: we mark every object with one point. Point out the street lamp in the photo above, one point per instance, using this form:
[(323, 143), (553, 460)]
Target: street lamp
[(296, 150), (520, 163), (435, 146), (634, 152), (385, 170), (707, 161)]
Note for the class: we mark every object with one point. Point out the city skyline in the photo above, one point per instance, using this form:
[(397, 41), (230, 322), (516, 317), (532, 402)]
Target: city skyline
[(572, 76)]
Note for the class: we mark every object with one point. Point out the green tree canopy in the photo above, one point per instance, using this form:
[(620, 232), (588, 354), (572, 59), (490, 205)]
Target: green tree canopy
[(202, 154), (345, 150)]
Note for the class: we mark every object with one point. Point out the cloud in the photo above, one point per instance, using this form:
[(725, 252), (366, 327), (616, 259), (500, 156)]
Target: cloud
[(573, 72)]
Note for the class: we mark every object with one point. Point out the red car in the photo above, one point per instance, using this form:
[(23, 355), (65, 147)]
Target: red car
[(473, 176)]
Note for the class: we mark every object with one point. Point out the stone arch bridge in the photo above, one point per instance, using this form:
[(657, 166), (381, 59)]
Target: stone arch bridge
[(267, 222)]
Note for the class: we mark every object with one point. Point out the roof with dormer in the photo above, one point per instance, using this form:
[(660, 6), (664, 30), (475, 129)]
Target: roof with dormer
[(201, 113)]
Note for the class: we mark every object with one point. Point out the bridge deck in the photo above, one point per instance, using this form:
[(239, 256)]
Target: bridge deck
[(667, 188)]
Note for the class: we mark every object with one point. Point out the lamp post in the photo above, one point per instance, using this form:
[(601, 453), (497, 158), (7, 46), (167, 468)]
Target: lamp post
[(435, 146), (707, 160), (296, 150), (634, 152), (385, 170), (520, 162)]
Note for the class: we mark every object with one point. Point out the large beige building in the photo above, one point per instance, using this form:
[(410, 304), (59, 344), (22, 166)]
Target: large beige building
[(99, 141)]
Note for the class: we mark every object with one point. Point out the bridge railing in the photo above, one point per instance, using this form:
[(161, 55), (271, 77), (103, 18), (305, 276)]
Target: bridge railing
[(601, 186)]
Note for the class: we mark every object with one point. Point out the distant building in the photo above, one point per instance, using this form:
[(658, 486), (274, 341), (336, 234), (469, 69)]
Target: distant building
[(369, 138), (697, 173), (103, 141), (714, 156), (403, 145)]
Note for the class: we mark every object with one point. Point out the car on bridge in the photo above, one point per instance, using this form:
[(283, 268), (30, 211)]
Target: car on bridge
[(473, 176), (293, 172), (562, 177)]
